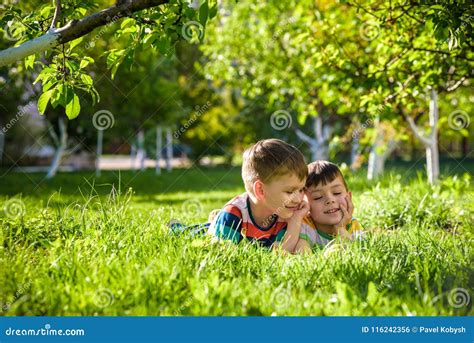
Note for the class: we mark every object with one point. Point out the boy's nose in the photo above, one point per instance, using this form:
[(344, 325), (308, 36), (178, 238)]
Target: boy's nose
[(330, 201)]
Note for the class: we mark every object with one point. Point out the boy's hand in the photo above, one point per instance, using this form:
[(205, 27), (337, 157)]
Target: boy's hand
[(302, 211), (347, 208)]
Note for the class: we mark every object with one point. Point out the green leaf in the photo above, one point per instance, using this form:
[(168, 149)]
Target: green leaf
[(87, 79), (75, 42), (213, 11), (203, 13), (44, 100), (46, 11), (85, 62), (73, 107), (189, 13), (29, 61), (130, 29), (62, 95), (127, 22)]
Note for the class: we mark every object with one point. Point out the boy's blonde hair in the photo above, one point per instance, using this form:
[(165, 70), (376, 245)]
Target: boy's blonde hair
[(324, 172), (271, 158)]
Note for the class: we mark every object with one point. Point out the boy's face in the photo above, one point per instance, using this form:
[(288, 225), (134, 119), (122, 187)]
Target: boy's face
[(283, 195), (325, 201)]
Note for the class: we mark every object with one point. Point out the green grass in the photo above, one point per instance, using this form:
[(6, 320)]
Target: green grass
[(80, 246)]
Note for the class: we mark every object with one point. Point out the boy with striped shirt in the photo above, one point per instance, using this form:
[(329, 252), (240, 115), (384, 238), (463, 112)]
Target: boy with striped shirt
[(272, 209)]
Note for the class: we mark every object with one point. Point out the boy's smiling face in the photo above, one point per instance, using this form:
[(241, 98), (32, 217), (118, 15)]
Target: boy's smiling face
[(284, 194), (325, 201)]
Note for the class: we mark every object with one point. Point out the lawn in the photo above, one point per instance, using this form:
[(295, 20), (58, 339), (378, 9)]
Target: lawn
[(80, 246)]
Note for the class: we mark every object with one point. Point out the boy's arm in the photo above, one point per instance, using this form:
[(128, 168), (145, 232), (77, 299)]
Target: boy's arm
[(302, 247), (347, 211), (288, 243), (228, 224), (290, 239)]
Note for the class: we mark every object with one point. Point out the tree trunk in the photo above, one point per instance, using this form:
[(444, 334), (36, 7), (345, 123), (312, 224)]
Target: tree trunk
[(319, 145), (431, 142), (377, 158), (159, 146), (355, 153), (2, 146), (60, 148), (321, 141), (432, 153), (432, 162), (100, 140), (376, 165), (133, 155), (464, 145), (169, 149), (141, 149)]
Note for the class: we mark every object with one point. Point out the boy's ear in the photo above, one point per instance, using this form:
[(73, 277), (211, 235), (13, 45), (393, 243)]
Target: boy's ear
[(258, 190)]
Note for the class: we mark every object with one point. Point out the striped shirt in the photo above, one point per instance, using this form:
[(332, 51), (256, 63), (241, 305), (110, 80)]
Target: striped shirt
[(318, 238), (235, 222)]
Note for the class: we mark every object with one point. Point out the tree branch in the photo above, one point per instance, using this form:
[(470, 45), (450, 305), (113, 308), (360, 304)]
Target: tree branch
[(303, 136), (456, 85), (442, 53), (403, 86), (75, 29), (57, 12), (416, 131)]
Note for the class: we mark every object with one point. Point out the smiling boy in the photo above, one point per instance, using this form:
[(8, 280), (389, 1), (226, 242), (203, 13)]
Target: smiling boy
[(331, 208), (272, 209)]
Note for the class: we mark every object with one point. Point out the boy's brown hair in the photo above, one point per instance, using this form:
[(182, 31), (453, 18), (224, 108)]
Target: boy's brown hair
[(270, 158), (324, 172)]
